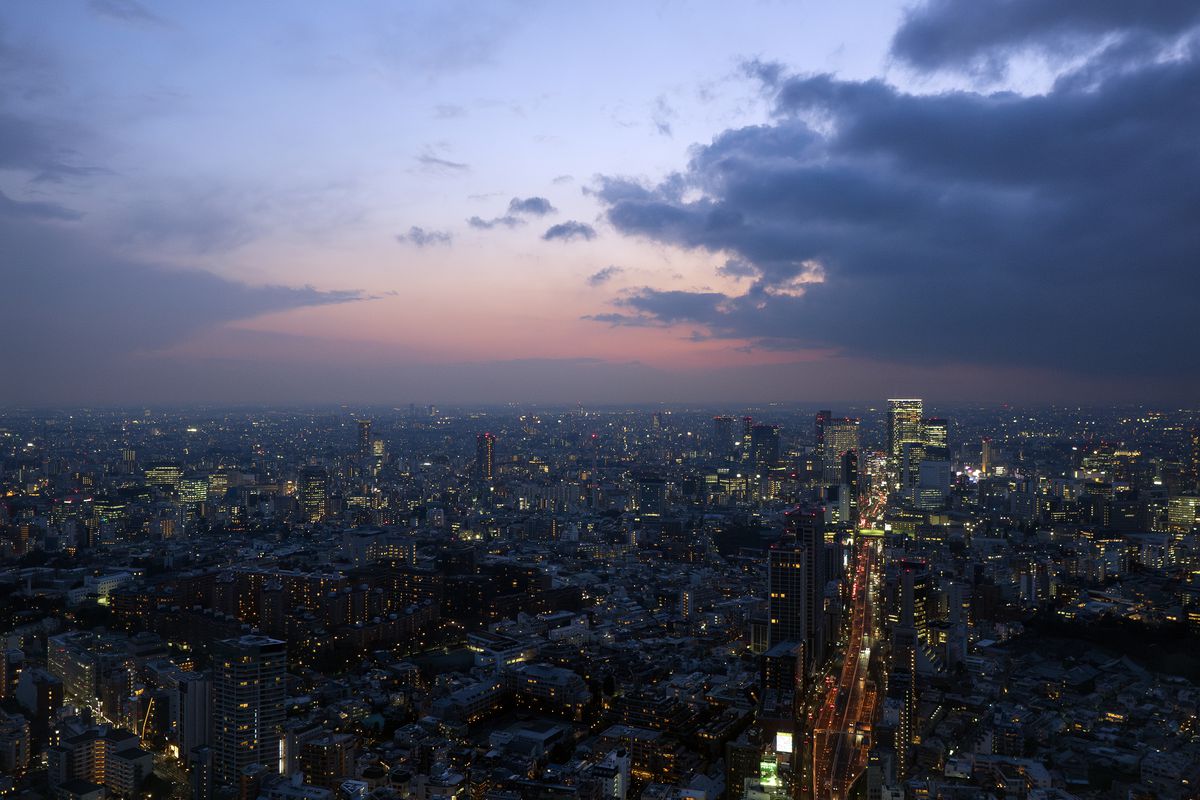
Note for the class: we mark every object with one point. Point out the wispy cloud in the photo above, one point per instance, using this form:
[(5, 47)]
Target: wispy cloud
[(420, 237), (126, 11), (604, 276), (432, 163)]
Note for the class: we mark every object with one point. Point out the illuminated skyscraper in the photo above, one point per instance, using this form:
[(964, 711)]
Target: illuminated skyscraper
[(786, 591), (1195, 458), (985, 456), (904, 425), (937, 440), (166, 476), (841, 435), (364, 438), (248, 693), (314, 493), (485, 456), (796, 583)]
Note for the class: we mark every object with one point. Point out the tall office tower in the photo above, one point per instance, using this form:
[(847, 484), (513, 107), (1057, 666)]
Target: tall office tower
[(849, 479), (248, 687), (1195, 458), (819, 427), (841, 434), (764, 447), (364, 438), (915, 601), (195, 713), (902, 680), (314, 493), (904, 425), (937, 439), (933, 484), (722, 445), (786, 591), (805, 526), (485, 456), (747, 426), (911, 456), (985, 456)]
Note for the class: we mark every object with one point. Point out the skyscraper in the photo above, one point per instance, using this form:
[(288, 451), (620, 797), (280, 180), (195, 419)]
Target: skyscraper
[(841, 435), (937, 439), (819, 427), (904, 425), (722, 446), (849, 482), (248, 693), (796, 578), (485, 455), (764, 447), (808, 526), (1194, 465), (364, 438), (314, 493), (786, 591)]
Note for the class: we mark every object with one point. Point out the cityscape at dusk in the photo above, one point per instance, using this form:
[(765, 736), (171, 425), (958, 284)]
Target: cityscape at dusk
[(774, 400)]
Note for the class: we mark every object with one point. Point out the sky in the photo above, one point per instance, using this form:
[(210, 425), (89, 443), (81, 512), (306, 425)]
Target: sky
[(291, 202)]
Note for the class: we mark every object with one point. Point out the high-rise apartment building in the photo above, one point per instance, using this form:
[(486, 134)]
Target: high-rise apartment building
[(248, 686), (485, 456), (807, 526), (786, 591)]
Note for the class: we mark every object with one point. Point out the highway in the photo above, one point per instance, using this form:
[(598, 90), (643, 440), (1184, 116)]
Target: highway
[(842, 726)]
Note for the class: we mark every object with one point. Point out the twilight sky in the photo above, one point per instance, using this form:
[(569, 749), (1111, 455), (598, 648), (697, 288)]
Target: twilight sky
[(379, 202)]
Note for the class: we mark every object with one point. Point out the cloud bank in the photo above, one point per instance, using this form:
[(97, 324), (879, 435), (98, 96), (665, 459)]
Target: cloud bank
[(1052, 231)]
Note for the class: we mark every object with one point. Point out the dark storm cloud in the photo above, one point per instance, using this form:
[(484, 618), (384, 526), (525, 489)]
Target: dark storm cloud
[(603, 276), (424, 238), (980, 35), (1052, 231), (566, 231), (106, 309), (536, 206)]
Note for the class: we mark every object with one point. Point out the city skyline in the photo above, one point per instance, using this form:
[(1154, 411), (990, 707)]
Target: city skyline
[(301, 204)]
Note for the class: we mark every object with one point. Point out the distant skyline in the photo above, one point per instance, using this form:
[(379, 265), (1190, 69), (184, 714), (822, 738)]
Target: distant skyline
[(305, 203)]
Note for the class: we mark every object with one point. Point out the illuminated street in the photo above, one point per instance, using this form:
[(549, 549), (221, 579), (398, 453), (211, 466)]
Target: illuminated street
[(842, 729)]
